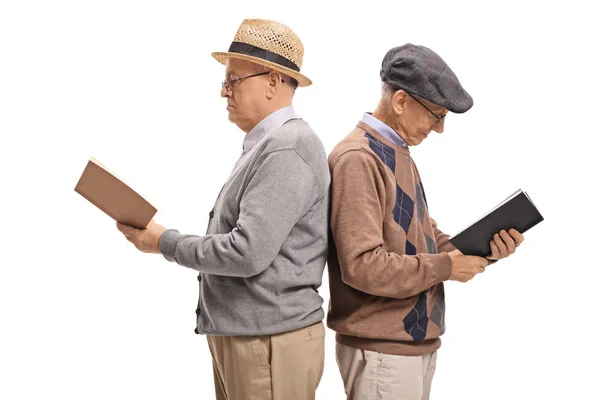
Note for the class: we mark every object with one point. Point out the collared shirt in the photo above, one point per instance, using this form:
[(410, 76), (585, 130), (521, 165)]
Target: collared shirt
[(268, 124), (385, 130)]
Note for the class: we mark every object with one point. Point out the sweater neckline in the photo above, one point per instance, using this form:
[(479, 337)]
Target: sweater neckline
[(373, 132)]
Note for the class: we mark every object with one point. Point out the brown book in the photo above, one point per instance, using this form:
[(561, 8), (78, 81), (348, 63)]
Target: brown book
[(107, 192)]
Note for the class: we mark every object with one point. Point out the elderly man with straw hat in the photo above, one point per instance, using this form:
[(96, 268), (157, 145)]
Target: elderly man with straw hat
[(390, 260), (262, 259)]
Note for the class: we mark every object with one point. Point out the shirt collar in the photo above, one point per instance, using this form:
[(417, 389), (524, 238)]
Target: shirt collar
[(385, 130), (267, 125)]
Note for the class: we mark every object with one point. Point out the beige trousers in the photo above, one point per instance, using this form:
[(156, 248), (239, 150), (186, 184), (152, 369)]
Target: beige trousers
[(368, 375), (284, 366)]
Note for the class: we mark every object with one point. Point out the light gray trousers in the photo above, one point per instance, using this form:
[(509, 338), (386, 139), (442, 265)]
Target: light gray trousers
[(368, 375)]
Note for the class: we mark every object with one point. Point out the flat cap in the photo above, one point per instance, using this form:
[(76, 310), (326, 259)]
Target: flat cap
[(420, 71)]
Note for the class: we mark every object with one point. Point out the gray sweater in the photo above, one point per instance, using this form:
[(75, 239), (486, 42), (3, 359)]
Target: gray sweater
[(264, 253)]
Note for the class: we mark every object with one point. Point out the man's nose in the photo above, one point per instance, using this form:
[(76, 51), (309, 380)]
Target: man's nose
[(439, 127)]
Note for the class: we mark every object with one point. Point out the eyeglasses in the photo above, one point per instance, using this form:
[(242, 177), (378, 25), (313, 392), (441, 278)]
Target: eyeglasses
[(227, 84), (438, 118)]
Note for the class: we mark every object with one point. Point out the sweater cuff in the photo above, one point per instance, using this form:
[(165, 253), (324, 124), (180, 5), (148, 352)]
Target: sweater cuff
[(443, 267), (168, 243)]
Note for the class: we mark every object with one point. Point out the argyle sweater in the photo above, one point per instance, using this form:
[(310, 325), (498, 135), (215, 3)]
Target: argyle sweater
[(387, 260)]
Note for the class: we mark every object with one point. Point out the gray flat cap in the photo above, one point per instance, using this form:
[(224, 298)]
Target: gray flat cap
[(420, 71)]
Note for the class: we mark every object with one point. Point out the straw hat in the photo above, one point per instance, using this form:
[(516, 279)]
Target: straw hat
[(268, 43)]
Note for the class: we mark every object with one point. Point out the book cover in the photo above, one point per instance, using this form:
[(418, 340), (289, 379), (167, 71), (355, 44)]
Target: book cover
[(110, 194), (517, 211)]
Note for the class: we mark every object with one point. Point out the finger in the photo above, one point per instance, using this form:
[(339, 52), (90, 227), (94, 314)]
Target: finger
[(495, 251), (517, 236), (508, 240), (501, 246), (477, 270), (130, 233), (127, 230), (489, 262), (485, 262)]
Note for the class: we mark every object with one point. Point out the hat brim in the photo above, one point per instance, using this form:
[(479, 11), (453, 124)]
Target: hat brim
[(303, 81)]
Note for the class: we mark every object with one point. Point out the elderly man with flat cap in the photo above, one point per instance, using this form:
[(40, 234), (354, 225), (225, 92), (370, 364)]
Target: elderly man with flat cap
[(263, 257), (389, 259)]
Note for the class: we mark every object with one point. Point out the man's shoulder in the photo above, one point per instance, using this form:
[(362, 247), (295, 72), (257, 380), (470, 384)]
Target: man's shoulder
[(296, 135), (288, 134), (355, 144)]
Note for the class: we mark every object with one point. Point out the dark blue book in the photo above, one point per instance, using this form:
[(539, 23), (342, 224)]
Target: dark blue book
[(517, 211)]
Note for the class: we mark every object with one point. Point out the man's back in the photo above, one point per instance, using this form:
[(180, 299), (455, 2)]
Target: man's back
[(288, 163)]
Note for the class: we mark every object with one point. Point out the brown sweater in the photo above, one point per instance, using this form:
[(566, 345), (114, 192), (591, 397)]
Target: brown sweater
[(388, 260)]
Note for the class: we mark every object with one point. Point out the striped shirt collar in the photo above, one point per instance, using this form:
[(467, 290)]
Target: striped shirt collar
[(267, 125), (385, 130)]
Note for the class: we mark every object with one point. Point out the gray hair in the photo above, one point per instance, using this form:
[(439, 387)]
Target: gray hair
[(387, 90)]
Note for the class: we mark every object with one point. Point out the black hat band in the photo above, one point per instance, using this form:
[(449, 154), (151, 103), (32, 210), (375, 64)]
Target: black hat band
[(251, 50)]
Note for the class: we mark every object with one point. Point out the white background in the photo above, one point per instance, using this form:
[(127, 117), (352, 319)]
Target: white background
[(83, 315)]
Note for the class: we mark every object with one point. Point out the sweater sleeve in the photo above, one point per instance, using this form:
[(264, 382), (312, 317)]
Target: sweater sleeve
[(358, 193), (441, 239), (278, 194)]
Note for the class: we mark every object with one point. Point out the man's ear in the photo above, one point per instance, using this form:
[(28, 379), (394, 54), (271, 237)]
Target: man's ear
[(274, 84), (399, 100)]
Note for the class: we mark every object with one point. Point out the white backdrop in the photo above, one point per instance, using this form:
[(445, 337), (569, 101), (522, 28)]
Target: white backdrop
[(83, 315)]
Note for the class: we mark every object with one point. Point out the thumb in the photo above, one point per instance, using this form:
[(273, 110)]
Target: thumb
[(480, 261), (486, 261), (455, 253), (490, 261)]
